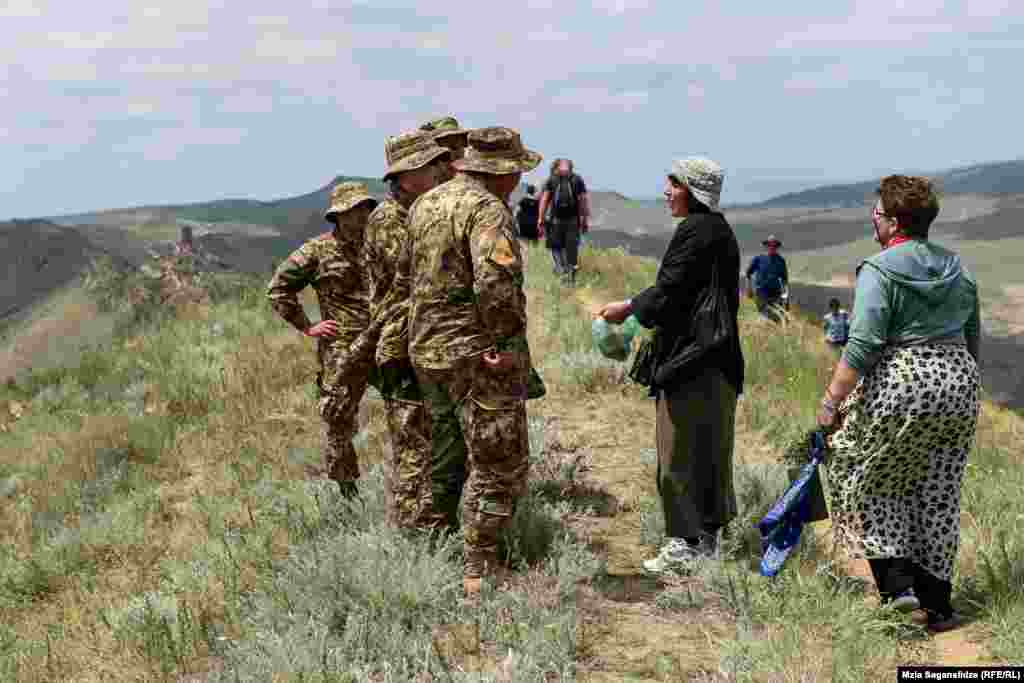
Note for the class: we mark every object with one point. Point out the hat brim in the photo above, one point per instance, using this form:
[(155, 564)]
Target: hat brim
[(415, 161), (348, 205), (526, 162)]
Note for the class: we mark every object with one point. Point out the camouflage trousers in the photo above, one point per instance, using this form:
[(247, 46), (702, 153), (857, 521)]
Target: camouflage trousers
[(338, 408), (409, 431), (491, 414)]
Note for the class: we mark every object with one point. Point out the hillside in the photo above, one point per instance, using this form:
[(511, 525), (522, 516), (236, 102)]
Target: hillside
[(280, 212), (1002, 177), (39, 257), (169, 527)]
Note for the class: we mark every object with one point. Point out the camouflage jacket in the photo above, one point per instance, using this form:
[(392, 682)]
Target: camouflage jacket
[(466, 277), (385, 338), (331, 265)]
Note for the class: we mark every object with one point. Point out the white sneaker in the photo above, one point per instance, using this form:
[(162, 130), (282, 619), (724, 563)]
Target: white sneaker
[(675, 556)]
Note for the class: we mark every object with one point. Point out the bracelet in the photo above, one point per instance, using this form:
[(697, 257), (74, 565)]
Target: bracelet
[(828, 405)]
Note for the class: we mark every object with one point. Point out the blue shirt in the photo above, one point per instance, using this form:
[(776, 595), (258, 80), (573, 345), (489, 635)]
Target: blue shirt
[(837, 327), (768, 274)]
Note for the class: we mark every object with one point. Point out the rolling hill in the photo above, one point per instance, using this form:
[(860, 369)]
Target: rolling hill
[(1002, 177)]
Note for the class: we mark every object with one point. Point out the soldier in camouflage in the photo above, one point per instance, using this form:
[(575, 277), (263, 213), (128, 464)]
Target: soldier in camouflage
[(331, 264), (415, 164), (467, 332), (448, 134)]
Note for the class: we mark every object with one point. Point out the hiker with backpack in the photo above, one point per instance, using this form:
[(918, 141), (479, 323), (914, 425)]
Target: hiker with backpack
[(527, 212), (565, 210)]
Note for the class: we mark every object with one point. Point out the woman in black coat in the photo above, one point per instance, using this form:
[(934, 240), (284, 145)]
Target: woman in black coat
[(696, 399)]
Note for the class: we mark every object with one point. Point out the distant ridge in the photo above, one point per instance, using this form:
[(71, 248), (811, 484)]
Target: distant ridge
[(1000, 177), (275, 212), (279, 212)]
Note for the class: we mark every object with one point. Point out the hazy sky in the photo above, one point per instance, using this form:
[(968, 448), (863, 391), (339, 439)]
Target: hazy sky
[(119, 103)]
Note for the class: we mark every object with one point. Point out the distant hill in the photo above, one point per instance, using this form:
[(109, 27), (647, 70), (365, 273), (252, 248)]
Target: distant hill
[(1001, 177), (280, 212), (39, 257)]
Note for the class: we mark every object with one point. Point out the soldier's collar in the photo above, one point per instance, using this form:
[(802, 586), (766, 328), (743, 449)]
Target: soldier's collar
[(398, 201)]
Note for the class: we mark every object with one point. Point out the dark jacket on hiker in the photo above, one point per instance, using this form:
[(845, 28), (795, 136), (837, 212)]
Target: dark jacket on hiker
[(700, 240)]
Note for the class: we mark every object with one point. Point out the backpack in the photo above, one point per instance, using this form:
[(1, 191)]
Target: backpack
[(565, 204), (527, 216)]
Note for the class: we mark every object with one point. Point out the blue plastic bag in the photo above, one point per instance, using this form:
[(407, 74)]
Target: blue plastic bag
[(781, 527), (614, 341)]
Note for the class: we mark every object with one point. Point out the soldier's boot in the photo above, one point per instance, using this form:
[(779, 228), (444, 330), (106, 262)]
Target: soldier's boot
[(349, 490)]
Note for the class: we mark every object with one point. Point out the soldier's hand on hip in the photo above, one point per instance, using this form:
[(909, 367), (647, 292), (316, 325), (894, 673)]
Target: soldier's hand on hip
[(499, 361), (324, 328)]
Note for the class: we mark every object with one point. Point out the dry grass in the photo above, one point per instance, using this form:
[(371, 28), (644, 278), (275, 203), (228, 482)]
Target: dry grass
[(207, 515)]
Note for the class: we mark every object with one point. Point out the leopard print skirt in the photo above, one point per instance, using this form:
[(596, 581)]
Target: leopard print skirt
[(896, 464)]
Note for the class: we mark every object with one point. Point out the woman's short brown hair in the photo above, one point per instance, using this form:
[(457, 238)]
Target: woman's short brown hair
[(912, 201)]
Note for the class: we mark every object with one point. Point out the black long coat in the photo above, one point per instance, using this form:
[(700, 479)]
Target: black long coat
[(700, 241)]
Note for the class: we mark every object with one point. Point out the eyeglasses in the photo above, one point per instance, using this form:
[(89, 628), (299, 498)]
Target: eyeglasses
[(876, 214)]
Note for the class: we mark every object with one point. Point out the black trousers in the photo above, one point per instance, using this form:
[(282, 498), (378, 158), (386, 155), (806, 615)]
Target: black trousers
[(893, 575)]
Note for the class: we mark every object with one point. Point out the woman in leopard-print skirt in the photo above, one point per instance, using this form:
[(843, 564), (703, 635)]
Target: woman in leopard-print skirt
[(902, 406)]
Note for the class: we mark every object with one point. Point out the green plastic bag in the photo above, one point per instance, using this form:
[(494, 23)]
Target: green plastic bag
[(614, 341)]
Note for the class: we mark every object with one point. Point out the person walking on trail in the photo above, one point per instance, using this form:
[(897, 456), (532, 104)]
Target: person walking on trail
[(467, 335), (332, 266), (768, 280), (527, 212), (837, 325), (565, 211), (451, 136), (902, 406), (415, 164), (696, 394)]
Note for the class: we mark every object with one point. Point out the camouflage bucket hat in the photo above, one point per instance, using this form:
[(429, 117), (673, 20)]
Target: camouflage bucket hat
[(497, 151), (347, 196), (443, 127), (409, 151), (702, 177)]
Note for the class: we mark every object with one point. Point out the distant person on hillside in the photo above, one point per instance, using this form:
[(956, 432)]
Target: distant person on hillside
[(330, 264), (768, 280), (451, 136), (837, 325), (564, 215), (527, 212), (905, 399), (696, 390)]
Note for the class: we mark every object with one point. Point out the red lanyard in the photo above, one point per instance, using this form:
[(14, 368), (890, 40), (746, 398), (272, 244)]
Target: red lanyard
[(898, 239)]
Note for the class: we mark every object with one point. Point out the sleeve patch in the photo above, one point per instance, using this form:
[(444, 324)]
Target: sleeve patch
[(504, 254)]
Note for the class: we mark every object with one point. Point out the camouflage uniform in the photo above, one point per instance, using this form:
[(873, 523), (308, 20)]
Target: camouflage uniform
[(465, 270), (384, 343), (331, 264)]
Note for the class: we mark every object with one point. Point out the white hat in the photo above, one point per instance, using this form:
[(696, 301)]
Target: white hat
[(702, 177)]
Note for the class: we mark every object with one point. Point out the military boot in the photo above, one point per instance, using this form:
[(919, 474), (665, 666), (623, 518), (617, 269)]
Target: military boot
[(349, 490)]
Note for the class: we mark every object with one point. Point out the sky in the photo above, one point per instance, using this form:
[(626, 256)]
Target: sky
[(115, 103)]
